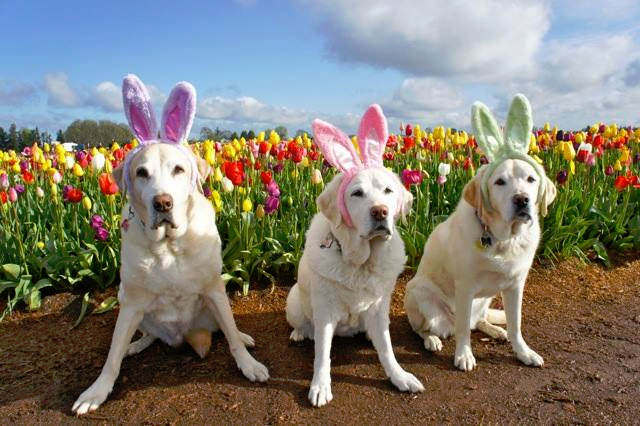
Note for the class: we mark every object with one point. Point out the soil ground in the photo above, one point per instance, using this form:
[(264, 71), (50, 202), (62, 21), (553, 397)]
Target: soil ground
[(583, 319)]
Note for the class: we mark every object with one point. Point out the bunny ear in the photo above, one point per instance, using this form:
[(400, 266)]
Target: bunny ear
[(178, 112), (519, 124), (335, 146), (138, 108), (487, 131), (372, 136)]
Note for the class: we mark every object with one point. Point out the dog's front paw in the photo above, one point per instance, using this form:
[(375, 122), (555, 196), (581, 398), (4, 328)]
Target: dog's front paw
[(531, 358), (464, 359), (253, 370), (296, 335), (433, 343), (91, 398), (320, 392), (247, 340), (406, 382)]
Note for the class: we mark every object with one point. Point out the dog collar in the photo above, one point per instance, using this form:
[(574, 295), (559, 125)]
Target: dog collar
[(486, 239), (125, 222), (328, 242)]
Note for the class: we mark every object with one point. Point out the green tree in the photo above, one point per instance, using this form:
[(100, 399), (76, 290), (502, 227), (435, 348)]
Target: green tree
[(13, 136), (93, 133), (282, 131), (301, 132), (60, 136), (243, 134), (234, 135), (4, 139), (251, 135)]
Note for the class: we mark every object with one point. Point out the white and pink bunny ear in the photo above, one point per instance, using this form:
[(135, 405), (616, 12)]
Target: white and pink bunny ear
[(335, 146), (178, 113), (138, 109), (372, 136)]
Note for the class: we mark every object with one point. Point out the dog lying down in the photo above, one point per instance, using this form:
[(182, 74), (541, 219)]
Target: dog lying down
[(353, 254), (486, 246), (171, 287)]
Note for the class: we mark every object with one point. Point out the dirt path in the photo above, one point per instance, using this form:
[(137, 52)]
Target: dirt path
[(584, 320)]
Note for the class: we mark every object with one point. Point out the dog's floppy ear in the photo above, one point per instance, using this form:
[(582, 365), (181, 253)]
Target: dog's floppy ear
[(203, 171), (118, 176), (548, 195), (472, 192), (327, 201)]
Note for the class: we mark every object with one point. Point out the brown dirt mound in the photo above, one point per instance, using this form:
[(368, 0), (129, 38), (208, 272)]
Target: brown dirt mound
[(583, 319)]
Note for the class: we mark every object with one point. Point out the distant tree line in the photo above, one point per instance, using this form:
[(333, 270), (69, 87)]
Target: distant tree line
[(217, 134), (86, 132)]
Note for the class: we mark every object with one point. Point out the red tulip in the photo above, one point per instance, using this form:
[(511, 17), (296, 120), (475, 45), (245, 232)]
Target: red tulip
[(265, 177), (234, 171), (107, 184)]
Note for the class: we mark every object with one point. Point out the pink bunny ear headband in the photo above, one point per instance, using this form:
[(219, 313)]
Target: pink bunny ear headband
[(340, 152), (177, 119)]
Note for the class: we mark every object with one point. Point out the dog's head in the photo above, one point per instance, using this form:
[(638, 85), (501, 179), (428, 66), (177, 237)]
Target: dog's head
[(160, 175), (512, 190), (365, 200), (509, 192)]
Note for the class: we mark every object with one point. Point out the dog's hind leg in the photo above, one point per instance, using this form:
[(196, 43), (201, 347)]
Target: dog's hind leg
[(491, 330), (302, 326), (416, 314), (141, 344)]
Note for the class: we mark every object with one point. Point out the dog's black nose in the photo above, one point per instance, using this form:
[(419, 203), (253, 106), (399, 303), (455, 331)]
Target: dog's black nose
[(521, 201), (379, 212), (162, 203)]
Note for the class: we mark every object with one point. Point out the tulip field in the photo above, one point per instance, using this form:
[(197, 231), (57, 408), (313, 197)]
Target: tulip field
[(60, 211)]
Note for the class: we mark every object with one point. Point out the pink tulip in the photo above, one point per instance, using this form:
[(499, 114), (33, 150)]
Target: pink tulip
[(13, 195)]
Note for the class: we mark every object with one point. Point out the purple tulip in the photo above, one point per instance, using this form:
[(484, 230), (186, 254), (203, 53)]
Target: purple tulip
[(27, 151), (271, 204), (19, 188), (609, 170), (562, 177), (207, 191), (96, 221), (80, 155), (273, 189), (101, 234), (278, 168)]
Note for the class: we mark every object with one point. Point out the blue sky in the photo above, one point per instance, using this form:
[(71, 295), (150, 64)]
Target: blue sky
[(257, 64)]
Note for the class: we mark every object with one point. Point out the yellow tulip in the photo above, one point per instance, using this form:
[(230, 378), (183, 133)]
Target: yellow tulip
[(217, 200), (547, 127), (568, 151), (217, 174), (617, 166), (40, 245), (115, 147), (624, 155), (260, 137), (16, 168), (260, 211), (304, 162), (77, 170), (241, 190), (572, 167), (247, 205), (47, 148), (108, 167), (210, 157), (294, 173), (54, 189), (86, 203), (274, 138)]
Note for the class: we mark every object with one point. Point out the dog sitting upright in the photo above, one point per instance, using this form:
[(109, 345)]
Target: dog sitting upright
[(486, 246), (171, 286), (353, 254)]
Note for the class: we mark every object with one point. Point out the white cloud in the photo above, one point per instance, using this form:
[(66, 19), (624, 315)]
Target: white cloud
[(477, 39), (248, 109), (59, 92), (108, 96), (423, 98)]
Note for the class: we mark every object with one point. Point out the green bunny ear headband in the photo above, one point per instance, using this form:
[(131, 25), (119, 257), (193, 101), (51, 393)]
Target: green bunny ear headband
[(513, 145)]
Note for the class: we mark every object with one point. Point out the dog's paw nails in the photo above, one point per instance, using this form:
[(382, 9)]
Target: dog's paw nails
[(320, 394), (501, 334), (89, 400), (407, 382), (464, 360), (531, 358), (296, 335), (433, 343), (254, 371), (247, 340)]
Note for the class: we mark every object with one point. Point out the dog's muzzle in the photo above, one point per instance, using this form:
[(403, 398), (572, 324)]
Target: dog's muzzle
[(522, 209)]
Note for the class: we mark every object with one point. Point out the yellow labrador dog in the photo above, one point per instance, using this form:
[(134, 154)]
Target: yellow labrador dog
[(171, 288), (486, 246), (353, 254)]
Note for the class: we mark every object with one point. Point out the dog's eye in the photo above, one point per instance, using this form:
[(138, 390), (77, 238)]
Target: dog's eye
[(500, 182), (388, 190), (357, 193), (177, 170), (142, 173), (531, 179)]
